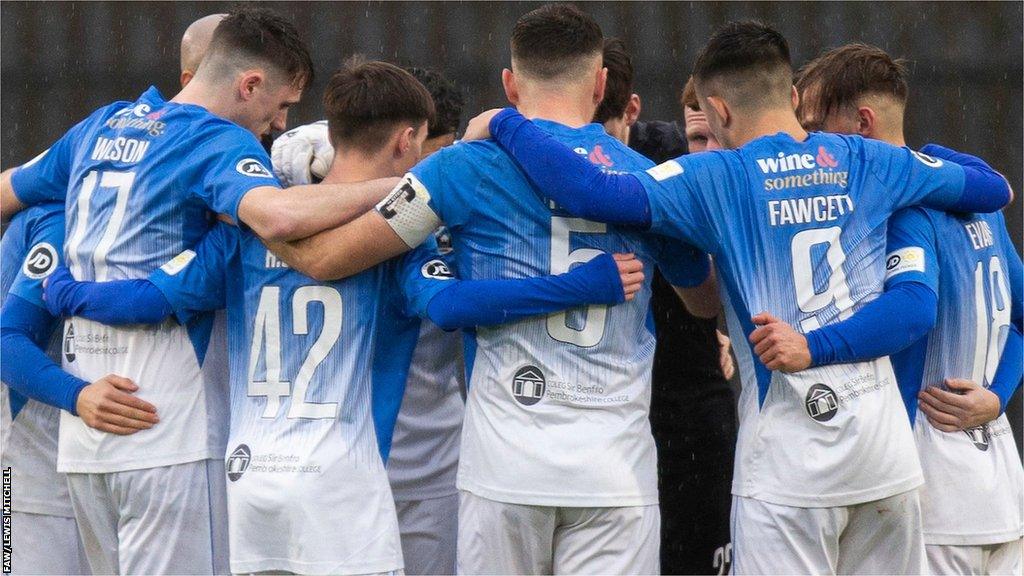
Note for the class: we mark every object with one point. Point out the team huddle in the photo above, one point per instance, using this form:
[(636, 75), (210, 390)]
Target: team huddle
[(368, 348)]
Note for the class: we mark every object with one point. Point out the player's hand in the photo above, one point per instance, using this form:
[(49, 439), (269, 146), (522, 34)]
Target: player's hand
[(109, 405), (302, 155), (479, 128), (779, 346), (631, 271), (964, 405), (724, 355)]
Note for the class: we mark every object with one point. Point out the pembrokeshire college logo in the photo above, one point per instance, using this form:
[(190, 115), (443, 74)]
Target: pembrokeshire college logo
[(821, 403), (41, 261), (979, 436), (68, 348), (528, 385), (238, 462)]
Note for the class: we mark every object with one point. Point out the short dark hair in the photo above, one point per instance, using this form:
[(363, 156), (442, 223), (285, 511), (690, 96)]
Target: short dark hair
[(260, 34), (365, 100), (689, 96), (842, 75), (619, 87), (549, 42), (447, 99), (747, 61)]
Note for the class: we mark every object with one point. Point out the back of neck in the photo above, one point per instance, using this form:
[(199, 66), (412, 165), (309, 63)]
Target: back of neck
[(353, 166), (768, 123), (572, 112)]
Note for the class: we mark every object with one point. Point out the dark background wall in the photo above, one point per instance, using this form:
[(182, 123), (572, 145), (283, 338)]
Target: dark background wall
[(60, 60)]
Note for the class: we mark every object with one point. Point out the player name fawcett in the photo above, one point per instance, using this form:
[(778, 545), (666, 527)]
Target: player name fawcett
[(804, 210)]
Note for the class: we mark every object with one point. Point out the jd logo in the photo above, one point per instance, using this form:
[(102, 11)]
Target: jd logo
[(238, 462), (528, 385), (41, 261), (821, 403), (252, 167)]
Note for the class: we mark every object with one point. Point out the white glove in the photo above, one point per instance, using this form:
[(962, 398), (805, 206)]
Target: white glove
[(302, 153)]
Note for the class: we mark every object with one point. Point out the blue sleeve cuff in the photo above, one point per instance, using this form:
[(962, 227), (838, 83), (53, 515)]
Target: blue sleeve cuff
[(985, 190), (1010, 369), (896, 319), (24, 331), (113, 303), (468, 303)]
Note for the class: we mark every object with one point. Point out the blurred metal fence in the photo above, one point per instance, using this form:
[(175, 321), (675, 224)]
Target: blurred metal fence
[(61, 60)]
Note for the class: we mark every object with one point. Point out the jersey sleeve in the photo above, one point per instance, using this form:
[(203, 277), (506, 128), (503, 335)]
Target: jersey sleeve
[(910, 250), (681, 264), (229, 162), (911, 178), (195, 281), (674, 191), (46, 249), (421, 274)]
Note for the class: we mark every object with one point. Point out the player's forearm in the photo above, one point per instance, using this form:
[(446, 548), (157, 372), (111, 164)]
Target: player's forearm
[(468, 303), (702, 301), (571, 181), (885, 326), (9, 202), (24, 329), (301, 211), (984, 189), (342, 251), (113, 303), (1011, 367)]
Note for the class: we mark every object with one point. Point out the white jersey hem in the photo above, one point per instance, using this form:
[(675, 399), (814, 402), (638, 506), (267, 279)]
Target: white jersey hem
[(286, 565), (106, 466), (565, 500), (830, 500), (988, 539)]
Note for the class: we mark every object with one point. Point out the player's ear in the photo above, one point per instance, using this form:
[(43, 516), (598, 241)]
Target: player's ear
[(404, 141), (251, 80), (866, 120), (794, 98), (186, 77), (717, 106), (599, 85), (508, 81), (633, 108)]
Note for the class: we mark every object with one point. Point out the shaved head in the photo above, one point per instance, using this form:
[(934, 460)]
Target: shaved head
[(194, 43)]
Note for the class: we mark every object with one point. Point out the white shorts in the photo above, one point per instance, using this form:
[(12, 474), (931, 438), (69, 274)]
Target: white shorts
[(501, 538), (880, 537), (429, 530), (1002, 558), (164, 520), (44, 544)]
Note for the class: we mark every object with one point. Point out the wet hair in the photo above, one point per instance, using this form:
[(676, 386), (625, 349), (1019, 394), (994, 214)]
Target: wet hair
[(746, 63), (619, 87), (841, 76), (366, 100), (250, 35), (448, 101), (553, 40)]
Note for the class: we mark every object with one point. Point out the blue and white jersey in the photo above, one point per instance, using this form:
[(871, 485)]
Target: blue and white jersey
[(798, 229), (424, 456), (318, 370), (974, 484), (29, 251), (557, 408), (139, 181)]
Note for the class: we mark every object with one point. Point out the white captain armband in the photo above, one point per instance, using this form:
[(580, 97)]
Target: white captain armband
[(909, 259), (406, 210)]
